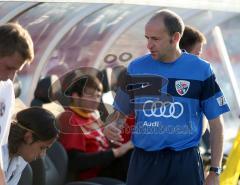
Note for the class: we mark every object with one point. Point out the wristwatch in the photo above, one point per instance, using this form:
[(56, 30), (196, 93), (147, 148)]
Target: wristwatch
[(217, 170)]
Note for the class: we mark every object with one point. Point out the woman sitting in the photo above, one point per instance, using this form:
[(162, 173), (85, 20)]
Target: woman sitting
[(32, 132)]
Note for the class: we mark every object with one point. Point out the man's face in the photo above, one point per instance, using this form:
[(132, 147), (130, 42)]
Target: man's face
[(9, 65), (159, 42)]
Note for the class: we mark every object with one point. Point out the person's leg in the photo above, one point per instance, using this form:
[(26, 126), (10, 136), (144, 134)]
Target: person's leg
[(189, 167), (145, 168), (166, 167)]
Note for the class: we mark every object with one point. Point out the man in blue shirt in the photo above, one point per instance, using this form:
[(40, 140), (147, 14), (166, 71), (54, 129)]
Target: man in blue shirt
[(169, 121)]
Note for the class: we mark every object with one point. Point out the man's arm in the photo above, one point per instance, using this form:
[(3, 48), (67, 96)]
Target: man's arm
[(216, 142), (2, 182)]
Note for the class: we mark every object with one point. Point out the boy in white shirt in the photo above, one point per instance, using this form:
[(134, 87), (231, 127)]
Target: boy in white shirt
[(16, 49)]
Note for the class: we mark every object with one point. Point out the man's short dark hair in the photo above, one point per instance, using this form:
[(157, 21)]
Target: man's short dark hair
[(172, 21), (190, 37)]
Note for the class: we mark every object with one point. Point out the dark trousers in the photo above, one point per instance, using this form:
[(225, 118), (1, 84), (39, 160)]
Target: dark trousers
[(166, 167)]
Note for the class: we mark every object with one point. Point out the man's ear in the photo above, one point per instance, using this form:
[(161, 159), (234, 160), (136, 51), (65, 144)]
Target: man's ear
[(176, 38), (28, 138)]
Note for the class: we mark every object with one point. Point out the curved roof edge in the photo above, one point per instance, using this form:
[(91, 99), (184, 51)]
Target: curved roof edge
[(221, 5)]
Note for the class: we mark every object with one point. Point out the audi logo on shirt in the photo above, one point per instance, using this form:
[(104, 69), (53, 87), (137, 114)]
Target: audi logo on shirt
[(163, 109)]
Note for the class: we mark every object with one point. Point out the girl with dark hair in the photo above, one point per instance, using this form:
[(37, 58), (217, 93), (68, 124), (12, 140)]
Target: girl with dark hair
[(32, 132)]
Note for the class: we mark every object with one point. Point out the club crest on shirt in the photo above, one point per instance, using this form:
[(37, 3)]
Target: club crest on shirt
[(182, 86), (2, 108)]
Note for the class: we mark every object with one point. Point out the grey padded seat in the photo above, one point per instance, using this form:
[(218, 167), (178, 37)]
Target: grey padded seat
[(52, 170)]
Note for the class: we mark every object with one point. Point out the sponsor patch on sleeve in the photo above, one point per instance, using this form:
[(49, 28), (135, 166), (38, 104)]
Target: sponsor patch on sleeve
[(221, 101)]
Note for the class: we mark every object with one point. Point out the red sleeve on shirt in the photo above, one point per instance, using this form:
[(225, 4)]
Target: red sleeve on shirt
[(71, 135)]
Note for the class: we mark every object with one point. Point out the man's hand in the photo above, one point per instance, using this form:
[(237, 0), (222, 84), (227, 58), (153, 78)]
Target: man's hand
[(112, 131), (212, 179), (123, 149)]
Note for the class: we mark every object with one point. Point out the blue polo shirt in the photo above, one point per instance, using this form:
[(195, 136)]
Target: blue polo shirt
[(169, 100)]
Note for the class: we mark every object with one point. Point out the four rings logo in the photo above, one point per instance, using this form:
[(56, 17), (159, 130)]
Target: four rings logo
[(163, 109)]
